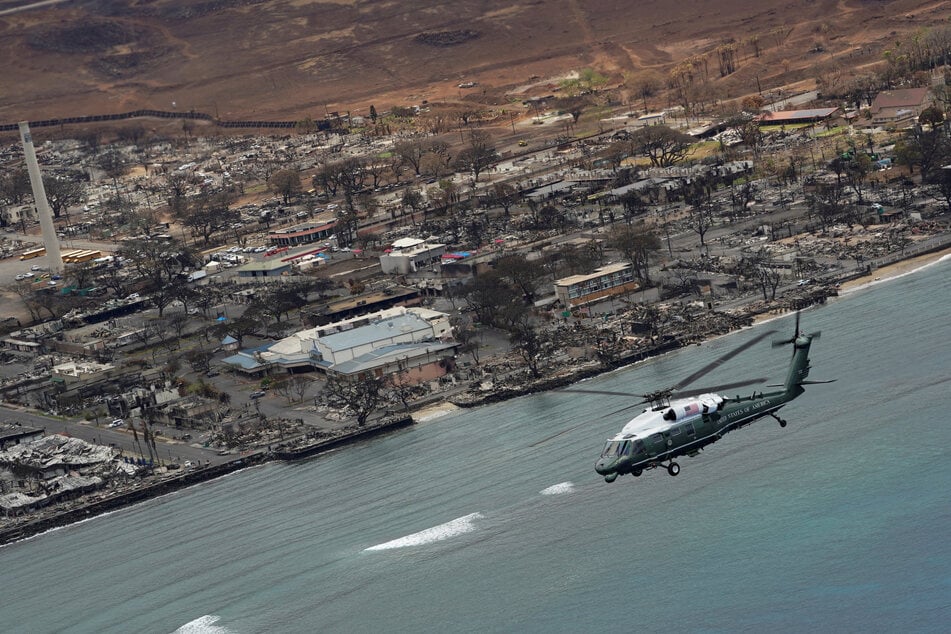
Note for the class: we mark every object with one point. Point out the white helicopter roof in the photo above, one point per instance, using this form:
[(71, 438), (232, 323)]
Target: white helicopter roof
[(652, 421)]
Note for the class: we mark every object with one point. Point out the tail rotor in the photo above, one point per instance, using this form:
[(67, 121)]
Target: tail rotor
[(796, 334)]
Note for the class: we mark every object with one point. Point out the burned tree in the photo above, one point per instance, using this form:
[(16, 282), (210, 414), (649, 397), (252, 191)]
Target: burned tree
[(360, 395), (662, 145)]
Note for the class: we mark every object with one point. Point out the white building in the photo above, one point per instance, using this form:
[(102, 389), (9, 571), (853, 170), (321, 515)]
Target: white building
[(76, 372), (408, 255), (12, 215), (369, 341)]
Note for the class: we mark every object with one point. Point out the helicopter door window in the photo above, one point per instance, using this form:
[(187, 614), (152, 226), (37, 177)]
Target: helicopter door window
[(690, 429)]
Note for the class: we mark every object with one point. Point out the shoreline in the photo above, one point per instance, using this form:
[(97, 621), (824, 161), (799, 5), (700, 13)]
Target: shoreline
[(180, 481), (894, 270), (433, 410)]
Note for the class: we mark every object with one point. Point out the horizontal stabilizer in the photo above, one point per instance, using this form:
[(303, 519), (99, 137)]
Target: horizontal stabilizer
[(803, 383)]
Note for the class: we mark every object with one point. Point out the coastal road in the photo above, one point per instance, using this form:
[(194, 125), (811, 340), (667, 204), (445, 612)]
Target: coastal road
[(120, 439)]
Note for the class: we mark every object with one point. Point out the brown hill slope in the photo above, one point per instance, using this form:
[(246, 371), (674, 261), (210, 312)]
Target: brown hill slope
[(296, 58)]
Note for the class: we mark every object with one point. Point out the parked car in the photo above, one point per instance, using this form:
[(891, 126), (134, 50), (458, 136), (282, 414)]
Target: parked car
[(257, 394), (118, 422), (23, 276), (36, 267)]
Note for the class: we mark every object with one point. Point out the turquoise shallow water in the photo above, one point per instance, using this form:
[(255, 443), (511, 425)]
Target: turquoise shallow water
[(493, 520)]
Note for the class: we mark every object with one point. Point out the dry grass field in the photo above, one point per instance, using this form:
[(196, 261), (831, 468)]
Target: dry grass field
[(282, 59)]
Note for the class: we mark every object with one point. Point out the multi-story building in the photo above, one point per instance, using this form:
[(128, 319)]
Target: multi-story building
[(409, 255), (604, 282)]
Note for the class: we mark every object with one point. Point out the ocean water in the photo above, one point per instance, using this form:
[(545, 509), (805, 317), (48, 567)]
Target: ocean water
[(493, 520)]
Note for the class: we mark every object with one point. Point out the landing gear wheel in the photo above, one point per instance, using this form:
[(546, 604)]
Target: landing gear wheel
[(782, 423), (637, 473), (673, 468)]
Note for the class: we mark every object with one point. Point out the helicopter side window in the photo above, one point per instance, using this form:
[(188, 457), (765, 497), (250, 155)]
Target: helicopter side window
[(625, 448), (690, 429), (638, 447)]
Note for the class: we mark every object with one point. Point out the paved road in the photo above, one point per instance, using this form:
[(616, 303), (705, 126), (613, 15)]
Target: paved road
[(66, 243), (121, 439), (10, 267)]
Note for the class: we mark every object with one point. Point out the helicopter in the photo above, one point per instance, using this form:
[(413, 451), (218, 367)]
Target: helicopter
[(668, 429)]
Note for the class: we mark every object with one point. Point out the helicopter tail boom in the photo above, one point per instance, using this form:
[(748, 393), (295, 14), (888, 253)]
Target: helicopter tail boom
[(799, 366)]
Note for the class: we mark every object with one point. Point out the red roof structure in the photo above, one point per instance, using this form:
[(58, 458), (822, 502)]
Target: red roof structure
[(796, 116)]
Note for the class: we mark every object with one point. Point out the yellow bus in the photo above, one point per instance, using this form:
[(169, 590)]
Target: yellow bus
[(29, 254), (81, 255)]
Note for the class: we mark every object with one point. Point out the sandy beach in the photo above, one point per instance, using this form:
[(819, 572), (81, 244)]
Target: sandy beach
[(894, 270)]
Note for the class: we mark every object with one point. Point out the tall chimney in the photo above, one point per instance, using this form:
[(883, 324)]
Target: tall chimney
[(50, 240)]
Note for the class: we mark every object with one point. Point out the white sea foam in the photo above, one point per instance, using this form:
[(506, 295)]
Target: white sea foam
[(203, 625), (458, 526), (558, 489)]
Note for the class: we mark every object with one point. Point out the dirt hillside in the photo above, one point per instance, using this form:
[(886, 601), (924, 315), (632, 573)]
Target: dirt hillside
[(296, 58)]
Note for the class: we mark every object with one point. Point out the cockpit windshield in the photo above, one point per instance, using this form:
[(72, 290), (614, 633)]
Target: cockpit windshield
[(616, 449)]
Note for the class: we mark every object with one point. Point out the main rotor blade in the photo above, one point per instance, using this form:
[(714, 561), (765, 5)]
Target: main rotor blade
[(721, 360), (625, 408), (721, 388), (580, 391)]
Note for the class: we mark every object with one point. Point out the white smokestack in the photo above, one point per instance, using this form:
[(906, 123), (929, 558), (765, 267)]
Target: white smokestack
[(50, 241)]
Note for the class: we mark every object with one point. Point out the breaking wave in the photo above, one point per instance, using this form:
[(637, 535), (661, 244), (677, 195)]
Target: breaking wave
[(203, 625), (558, 489), (458, 526)]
